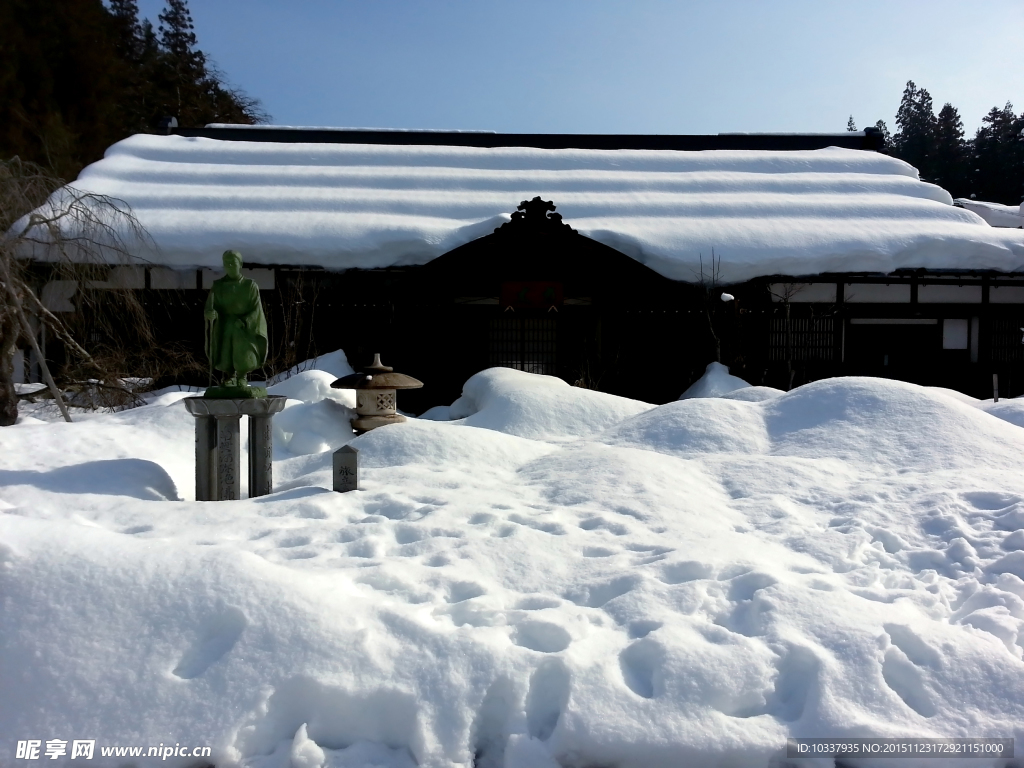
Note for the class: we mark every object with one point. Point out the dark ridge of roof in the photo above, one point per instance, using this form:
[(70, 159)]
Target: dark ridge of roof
[(869, 139)]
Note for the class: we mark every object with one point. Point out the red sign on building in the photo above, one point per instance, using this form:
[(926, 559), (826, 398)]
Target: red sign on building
[(531, 295)]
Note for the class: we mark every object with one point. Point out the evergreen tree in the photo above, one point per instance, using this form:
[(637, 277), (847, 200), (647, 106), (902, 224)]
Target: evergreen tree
[(192, 89), (914, 140), (178, 40), (882, 128), (850, 125), (182, 71), (950, 164), (77, 76), (128, 40), (137, 48), (999, 157), (58, 71)]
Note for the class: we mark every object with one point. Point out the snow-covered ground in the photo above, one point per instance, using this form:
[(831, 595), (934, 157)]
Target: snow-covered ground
[(560, 577)]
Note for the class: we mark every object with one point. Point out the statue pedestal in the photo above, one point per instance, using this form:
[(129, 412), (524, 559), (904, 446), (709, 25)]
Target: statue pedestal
[(218, 448)]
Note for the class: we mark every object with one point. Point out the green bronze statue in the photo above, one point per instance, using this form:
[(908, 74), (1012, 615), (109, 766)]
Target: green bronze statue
[(236, 330)]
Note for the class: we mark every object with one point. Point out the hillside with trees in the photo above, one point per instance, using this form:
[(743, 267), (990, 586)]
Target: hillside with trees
[(988, 167), (77, 76)]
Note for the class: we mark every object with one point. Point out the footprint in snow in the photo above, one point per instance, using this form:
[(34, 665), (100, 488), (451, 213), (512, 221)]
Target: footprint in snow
[(903, 668), (748, 611), (642, 628), (990, 501), (639, 664), (688, 570), (538, 525), (597, 595), (216, 637), (461, 591), (537, 603), (798, 677), (547, 698), (595, 523), (541, 636)]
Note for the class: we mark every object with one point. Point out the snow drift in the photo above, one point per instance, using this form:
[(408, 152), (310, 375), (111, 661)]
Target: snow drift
[(556, 578)]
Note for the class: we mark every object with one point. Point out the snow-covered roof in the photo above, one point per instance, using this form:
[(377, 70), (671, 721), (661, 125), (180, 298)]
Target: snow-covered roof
[(363, 205), (995, 214)]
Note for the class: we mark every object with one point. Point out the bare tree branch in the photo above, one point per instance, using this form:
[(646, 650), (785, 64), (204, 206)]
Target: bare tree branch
[(81, 236)]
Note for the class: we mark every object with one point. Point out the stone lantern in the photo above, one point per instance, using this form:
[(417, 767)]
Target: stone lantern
[(375, 388)]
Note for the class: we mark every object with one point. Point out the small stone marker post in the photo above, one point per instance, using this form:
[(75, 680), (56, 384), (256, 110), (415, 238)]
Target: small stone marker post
[(346, 469)]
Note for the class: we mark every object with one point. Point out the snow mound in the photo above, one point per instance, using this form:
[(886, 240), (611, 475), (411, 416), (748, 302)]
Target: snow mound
[(888, 423), (437, 413), (316, 417), (695, 427), (334, 363), (444, 445), (538, 407), (753, 394), (314, 427), (558, 578), (715, 382), (1007, 410)]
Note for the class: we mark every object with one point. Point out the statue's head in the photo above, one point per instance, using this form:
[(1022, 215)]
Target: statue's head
[(232, 263)]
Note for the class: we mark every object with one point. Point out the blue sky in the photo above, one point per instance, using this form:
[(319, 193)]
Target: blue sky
[(596, 66)]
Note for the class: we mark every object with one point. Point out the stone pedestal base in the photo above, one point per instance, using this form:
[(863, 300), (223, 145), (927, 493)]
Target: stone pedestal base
[(362, 424), (218, 448)]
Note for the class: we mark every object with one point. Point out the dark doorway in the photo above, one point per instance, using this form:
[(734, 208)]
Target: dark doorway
[(905, 349)]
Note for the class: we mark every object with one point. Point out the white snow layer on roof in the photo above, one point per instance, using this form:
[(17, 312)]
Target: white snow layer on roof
[(358, 205), (995, 214)]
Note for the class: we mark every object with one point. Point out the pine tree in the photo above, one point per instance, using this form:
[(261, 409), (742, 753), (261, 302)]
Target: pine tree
[(178, 38), (184, 66), (193, 90), (136, 46), (882, 128), (77, 76), (58, 69), (950, 161), (128, 39), (999, 157), (914, 140), (850, 125)]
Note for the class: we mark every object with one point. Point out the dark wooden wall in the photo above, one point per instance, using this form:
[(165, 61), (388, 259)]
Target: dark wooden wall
[(608, 322)]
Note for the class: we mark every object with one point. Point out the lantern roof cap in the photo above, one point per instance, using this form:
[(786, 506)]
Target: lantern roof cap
[(377, 376)]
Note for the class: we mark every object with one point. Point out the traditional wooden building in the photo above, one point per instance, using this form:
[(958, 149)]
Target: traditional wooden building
[(599, 259)]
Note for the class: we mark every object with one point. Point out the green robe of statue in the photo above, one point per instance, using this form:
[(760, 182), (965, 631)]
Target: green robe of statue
[(237, 342)]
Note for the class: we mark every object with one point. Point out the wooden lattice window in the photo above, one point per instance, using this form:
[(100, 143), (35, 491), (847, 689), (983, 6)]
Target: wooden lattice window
[(526, 344), (810, 338), (1005, 339)]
